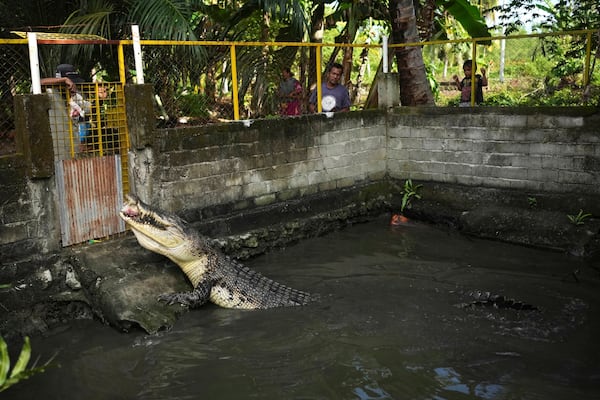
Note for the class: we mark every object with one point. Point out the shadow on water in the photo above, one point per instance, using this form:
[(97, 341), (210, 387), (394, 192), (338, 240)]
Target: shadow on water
[(397, 319)]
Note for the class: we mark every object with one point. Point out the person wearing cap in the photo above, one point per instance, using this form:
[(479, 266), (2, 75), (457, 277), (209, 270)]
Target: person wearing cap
[(79, 108), (65, 74), (68, 71)]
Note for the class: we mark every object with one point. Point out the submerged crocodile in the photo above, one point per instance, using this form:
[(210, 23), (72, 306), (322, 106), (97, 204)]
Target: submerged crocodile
[(214, 276), (488, 299)]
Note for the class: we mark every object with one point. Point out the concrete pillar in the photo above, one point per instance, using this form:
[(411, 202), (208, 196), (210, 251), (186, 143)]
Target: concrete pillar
[(141, 121), (141, 124), (388, 90), (33, 134)]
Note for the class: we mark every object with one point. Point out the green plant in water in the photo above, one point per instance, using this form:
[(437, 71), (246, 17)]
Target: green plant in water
[(20, 370), (408, 192), (532, 202), (579, 218)]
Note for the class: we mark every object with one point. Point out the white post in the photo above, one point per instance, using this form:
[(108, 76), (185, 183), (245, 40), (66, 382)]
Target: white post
[(34, 63), (502, 51), (385, 54), (502, 57), (137, 54)]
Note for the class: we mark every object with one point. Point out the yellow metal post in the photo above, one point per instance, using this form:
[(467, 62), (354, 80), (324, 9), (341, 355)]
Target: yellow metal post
[(473, 70), (121, 64), (70, 125), (318, 69), (236, 103), (98, 127)]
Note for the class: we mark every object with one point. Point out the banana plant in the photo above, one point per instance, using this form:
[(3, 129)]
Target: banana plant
[(409, 191)]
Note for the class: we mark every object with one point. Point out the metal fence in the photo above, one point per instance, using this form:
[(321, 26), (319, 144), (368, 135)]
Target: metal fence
[(89, 123), (556, 68), (206, 82), (14, 79)]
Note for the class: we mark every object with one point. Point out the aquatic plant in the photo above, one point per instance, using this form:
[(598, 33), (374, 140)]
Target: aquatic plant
[(532, 202), (20, 370), (408, 192), (579, 218)]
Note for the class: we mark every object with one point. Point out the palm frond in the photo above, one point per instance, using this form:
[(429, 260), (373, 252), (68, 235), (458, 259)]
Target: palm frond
[(166, 19)]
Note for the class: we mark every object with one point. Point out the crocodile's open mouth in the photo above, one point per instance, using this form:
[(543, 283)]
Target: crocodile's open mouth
[(135, 212), (130, 208), (153, 231)]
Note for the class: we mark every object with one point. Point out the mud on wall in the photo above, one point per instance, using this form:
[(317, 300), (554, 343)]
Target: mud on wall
[(29, 224)]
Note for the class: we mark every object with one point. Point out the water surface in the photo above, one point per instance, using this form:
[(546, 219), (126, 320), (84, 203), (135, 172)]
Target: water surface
[(394, 321)]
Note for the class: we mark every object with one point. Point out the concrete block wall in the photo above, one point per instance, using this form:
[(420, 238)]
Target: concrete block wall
[(245, 164), (29, 224), (551, 150), (261, 162)]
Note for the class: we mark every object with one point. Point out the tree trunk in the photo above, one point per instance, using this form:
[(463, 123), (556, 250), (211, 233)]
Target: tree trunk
[(414, 86), (316, 36)]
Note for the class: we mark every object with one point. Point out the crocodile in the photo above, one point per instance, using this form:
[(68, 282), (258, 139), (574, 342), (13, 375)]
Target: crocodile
[(214, 276), (488, 299)]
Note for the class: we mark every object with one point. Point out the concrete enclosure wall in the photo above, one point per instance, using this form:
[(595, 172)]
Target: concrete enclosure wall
[(259, 163), (248, 164), (29, 224), (276, 160), (543, 150)]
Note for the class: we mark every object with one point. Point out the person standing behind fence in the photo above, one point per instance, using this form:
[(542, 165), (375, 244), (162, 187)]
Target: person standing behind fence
[(67, 75), (335, 97), (289, 93), (465, 85)]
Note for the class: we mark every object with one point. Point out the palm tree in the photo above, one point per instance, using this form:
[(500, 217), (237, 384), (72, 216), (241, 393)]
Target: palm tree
[(414, 86)]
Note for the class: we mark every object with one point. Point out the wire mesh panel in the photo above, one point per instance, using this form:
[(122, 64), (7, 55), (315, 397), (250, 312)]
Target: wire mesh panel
[(192, 84), (90, 142), (14, 79), (89, 123)]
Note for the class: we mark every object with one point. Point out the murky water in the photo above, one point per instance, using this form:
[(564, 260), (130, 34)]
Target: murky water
[(392, 323)]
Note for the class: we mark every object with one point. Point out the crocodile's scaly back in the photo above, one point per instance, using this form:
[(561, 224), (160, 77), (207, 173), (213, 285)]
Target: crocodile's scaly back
[(213, 275), (242, 287)]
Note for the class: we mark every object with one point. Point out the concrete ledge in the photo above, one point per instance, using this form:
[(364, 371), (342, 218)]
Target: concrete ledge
[(538, 219)]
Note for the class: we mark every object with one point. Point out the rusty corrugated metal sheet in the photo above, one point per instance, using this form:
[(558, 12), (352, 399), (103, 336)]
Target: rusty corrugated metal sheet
[(90, 193)]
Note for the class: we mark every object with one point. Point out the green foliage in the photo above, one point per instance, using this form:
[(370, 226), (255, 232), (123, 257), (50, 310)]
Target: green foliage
[(579, 218), (561, 97), (19, 372), (558, 60), (467, 15), (532, 202), (433, 83), (409, 192), (193, 105), (502, 99)]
